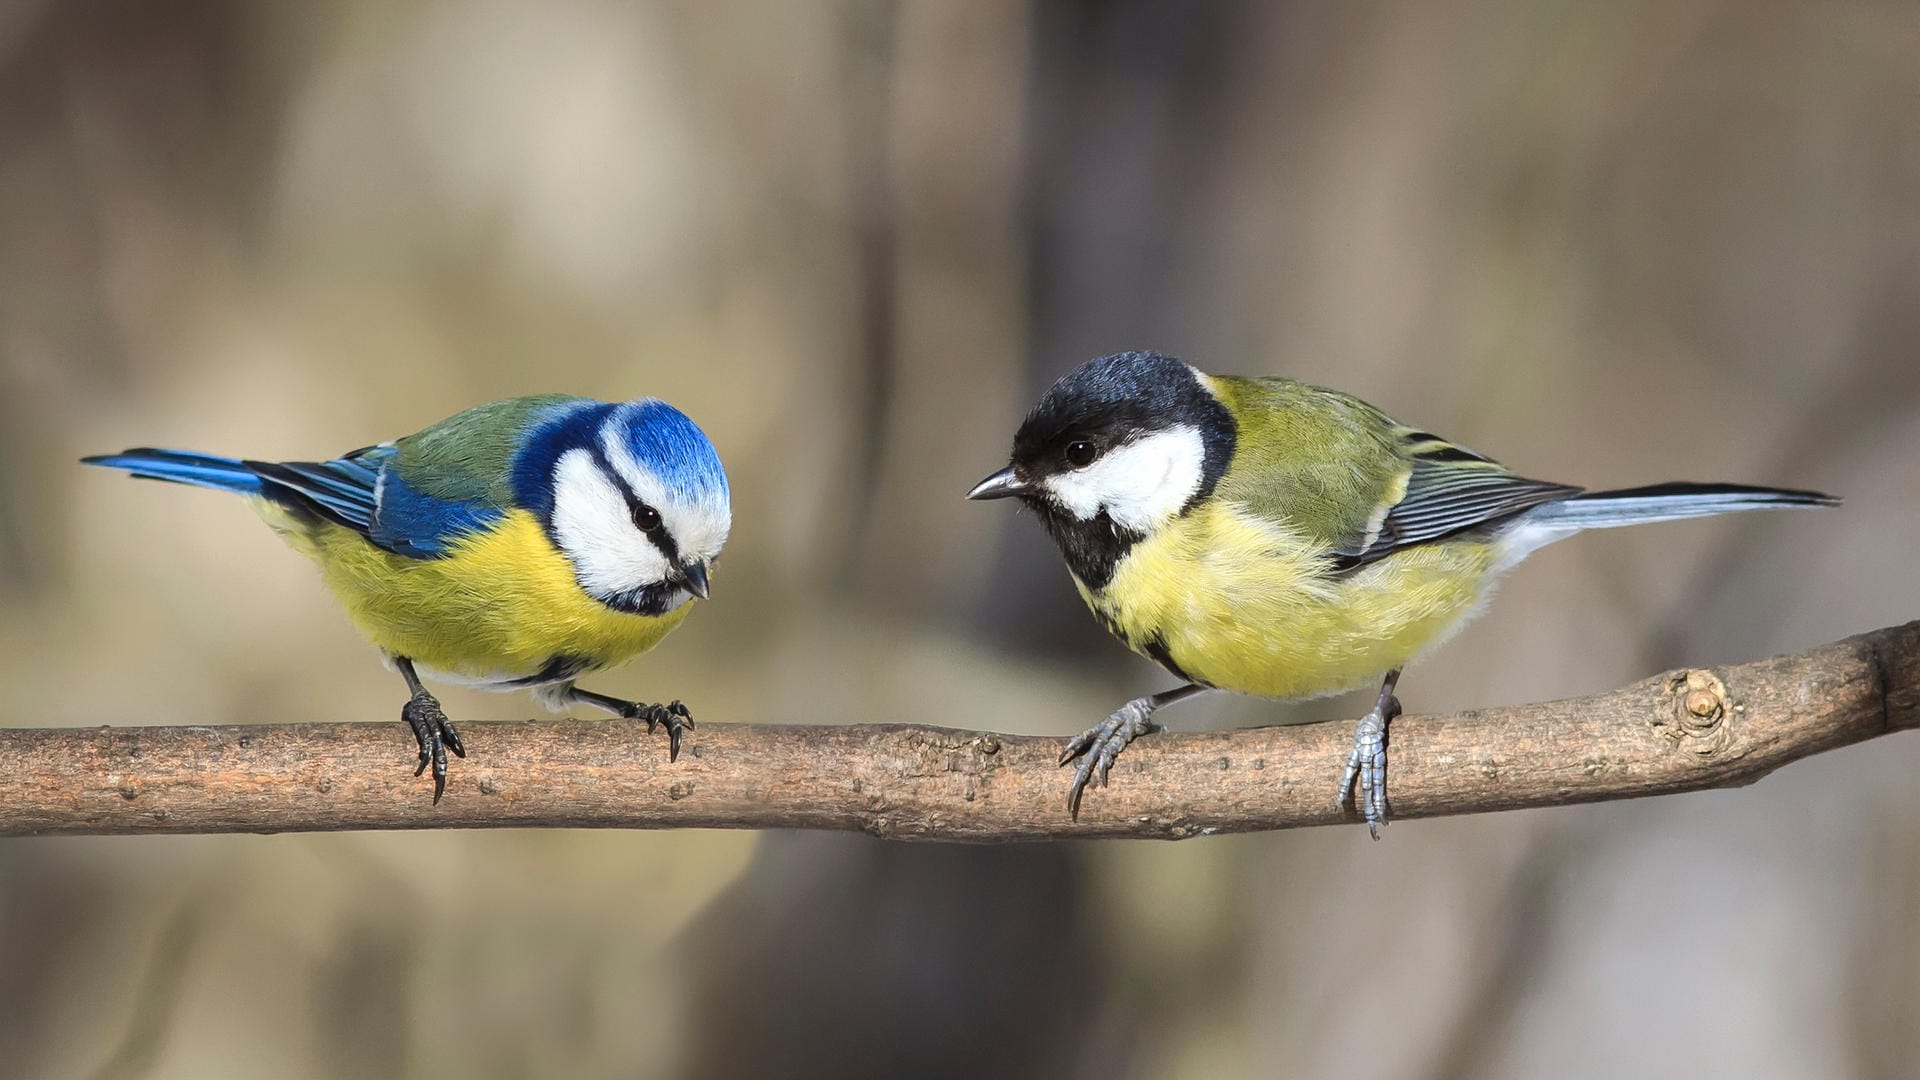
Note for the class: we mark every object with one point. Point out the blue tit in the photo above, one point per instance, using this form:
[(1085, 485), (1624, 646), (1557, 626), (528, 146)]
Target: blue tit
[(1273, 538), (516, 545)]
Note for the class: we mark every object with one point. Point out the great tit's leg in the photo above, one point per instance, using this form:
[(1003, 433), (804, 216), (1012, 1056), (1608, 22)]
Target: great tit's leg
[(430, 728), (1368, 761), (673, 714), (1100, 745)]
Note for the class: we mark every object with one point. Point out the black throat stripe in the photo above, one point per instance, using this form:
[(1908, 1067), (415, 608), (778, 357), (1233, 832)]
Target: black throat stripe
[(1092, 549)]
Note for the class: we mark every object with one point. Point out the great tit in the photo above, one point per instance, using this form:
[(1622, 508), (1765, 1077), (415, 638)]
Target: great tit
[(1279, 539), (516, 545)]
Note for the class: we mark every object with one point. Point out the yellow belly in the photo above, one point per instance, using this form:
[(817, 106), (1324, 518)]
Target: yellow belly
[(1244, 604), (499, 607)]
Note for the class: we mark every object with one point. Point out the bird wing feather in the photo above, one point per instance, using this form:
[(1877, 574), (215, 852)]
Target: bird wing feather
[(416, 495), (1357, 480), (367, 492)]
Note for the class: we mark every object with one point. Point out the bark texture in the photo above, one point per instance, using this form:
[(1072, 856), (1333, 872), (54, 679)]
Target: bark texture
[(1681, 731)]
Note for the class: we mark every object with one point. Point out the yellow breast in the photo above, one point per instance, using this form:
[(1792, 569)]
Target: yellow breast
[(1244, 603), (500, 606)]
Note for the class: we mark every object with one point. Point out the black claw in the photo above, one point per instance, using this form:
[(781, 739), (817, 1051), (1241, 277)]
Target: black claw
[(1076, 748), (1074, 793), (673, 714), (434, 735)]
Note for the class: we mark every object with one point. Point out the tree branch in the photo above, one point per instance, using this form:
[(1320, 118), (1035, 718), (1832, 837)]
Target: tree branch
[(1683, 731)]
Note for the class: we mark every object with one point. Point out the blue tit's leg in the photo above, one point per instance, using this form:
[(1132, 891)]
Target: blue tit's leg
[(1368, 761), (1100, 745), (430, 728), (673, 714)]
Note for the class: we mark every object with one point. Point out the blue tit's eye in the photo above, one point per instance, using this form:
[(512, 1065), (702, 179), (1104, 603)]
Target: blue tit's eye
[(646, 518), (1081, 453)]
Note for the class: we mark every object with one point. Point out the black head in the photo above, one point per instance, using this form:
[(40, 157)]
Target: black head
[(1115, 449)]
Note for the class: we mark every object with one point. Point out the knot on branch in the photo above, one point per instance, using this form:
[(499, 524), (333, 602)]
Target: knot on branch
[(1696, 717)]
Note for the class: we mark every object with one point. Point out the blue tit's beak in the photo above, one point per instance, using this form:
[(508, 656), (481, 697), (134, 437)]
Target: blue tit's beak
[(1000, 485), (694, 577)]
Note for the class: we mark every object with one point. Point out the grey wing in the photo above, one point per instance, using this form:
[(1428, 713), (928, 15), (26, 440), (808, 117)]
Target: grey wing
[(1447, 492)]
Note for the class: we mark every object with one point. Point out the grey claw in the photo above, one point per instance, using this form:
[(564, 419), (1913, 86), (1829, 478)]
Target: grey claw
[(1367, 764), (1078, 744), (1099, 747)]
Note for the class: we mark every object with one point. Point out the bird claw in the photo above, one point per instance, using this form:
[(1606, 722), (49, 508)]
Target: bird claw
[(1367, 764), (435, 736), (1099, 747), (673, 714)]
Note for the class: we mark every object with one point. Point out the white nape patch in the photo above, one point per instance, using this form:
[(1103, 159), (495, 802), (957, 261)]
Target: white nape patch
[(1140, 484), (594, 528), (699, 527)]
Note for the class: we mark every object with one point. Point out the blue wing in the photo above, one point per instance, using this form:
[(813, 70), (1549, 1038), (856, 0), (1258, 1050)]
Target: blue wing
[(364, 492), (345, 490), (360, 491)]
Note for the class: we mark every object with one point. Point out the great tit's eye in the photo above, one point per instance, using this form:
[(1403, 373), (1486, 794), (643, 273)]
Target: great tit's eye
[(646, 518), (1081, 453)]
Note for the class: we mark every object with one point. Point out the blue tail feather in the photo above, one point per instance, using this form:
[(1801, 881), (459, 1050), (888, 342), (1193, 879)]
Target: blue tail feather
[(183, 467)]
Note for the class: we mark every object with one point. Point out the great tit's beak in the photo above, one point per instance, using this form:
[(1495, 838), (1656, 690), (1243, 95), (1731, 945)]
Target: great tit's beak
[(1000, 485), (694, 577)]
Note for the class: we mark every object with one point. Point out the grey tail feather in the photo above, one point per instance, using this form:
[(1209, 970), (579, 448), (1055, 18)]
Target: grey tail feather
[(1670, 502)]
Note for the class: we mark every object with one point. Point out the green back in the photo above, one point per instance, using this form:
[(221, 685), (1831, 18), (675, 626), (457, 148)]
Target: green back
[(1357, 480), (1316, 459), (468, 456)]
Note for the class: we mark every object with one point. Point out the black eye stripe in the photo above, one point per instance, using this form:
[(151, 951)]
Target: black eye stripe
[(663, 540), (661, 537)]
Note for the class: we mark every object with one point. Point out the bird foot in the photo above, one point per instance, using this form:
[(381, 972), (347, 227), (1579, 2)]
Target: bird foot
[(435, 735), (673, 714), (1100, 745), (1367, 764)]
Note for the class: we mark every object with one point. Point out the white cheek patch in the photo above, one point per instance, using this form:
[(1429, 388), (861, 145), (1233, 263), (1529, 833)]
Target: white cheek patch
[(700, 532), (1140, 485), (592, 525)]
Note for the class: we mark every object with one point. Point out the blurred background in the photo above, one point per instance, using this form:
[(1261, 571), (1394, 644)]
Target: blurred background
[(1608, 244)]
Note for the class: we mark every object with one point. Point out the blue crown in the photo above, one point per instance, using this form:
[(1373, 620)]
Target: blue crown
[(661, 438), (672, 447)]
